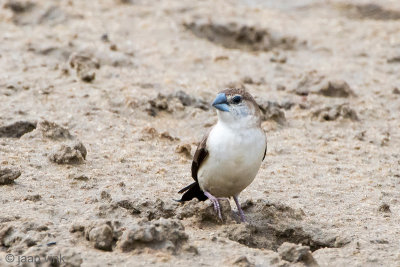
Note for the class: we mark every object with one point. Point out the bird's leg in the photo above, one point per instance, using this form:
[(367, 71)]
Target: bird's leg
[(214, 200), (241, 213)]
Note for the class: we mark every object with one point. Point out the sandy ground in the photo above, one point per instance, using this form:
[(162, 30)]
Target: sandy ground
[(113, 96)]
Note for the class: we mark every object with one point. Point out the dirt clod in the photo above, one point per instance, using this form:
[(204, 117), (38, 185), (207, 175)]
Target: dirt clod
[(174, 102), (286, 104), (78, 176), (166, 135), (272, 111), (270, 225), (296, 253), (337, 88), (188, 100), (101, 237), (104, 195), (31, 13), (191, 249), (19, 6), (85, 66), (308, 82), (33, 198), (158, 104), (239, 36), (242, 261), (369, 11), (335, 112), (204, 213), (7, 175), (148, 209), (53, 131), (184, 149), (74, 153), (19, 236), (314, 83), (163, 234), (384, 208), (17, 129), (393, 60)]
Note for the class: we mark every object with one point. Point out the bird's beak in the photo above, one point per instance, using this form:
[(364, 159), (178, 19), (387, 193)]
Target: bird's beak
[(221, 102)]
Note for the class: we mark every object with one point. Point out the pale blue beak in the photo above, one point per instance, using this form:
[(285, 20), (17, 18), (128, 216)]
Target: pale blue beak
[(221, 102)]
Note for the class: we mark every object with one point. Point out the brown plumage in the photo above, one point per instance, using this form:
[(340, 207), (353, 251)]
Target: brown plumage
[(239, 91), (193, 190)]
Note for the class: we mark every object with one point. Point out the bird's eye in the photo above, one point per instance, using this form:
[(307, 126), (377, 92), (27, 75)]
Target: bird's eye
[(236, 99)]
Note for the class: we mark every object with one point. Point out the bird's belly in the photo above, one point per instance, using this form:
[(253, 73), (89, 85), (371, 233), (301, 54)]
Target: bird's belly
[(230, 168), (228, 180)]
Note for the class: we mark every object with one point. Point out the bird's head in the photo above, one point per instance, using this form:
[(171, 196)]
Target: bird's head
[(237, 108)]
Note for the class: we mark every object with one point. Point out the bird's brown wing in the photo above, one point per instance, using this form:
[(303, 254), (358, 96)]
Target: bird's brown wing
[(266, 145), (193, 190), (199, 156)]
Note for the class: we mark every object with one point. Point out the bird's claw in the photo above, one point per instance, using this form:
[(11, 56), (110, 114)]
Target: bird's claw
[(240, 211), (242, 217), (217, 207)]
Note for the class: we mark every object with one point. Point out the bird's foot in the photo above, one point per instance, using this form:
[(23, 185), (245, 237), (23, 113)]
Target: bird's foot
[(241, 213), (215, 202), (242, 217)]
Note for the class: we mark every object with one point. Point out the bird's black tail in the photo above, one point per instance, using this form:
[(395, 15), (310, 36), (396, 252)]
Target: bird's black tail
[(192, 191)]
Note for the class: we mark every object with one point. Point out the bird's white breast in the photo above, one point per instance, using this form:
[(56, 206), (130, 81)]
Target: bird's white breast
[(234, 158)]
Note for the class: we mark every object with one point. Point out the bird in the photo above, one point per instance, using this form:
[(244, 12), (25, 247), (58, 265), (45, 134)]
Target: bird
[(230, 154)]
